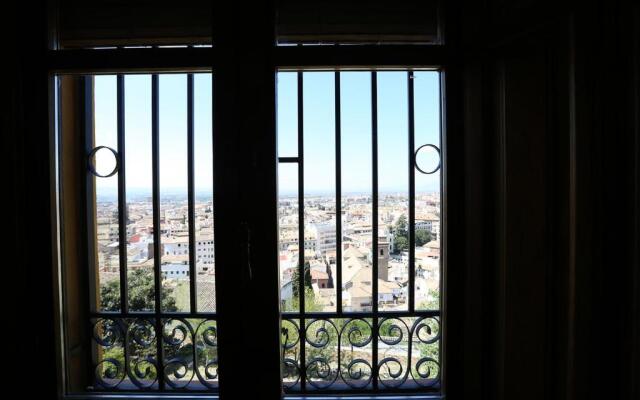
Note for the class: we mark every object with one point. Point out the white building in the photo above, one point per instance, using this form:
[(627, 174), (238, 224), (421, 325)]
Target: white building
[(175, 245), (175, 267), (205, 252), (179, 245), (325, 238), (429, 223), (289, 240)]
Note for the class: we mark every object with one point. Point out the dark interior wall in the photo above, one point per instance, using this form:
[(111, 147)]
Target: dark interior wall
[(551, 132), (27, 282), (549, 105), (607, 180)]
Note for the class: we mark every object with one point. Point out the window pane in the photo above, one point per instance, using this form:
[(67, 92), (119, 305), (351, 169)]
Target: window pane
[(356, 191), (289, 248), (319, 190), (174, 216), (139, 192), (427, 189), (287, 115), (393, 190), (203, 181), (106, 195)]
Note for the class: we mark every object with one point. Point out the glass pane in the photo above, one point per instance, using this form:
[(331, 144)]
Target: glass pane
[(319, 190), (174, 217), (107, 276), (427, 189), (139, 180), (288, 236), (287, 114), (393, 191), (356, 158), (203, 184)]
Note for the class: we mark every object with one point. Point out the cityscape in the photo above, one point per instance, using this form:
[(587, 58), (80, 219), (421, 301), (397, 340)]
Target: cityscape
[(329, 324), (319, 252)]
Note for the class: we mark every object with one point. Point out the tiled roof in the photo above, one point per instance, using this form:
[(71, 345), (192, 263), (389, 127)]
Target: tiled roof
[(206, 295)]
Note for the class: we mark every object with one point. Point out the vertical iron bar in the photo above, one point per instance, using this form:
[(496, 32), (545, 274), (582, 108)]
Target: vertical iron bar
[(338, 277), (374, 222), (443, 225), (122, 198), (87, 114), (155, 140), (301, 244), (191, 196), (412, 195)]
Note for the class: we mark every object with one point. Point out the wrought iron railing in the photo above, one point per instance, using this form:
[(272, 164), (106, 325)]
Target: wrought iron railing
[(339, 353), (127, 353)]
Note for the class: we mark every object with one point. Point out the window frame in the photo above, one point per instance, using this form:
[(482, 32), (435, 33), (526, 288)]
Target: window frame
[(223, 57)]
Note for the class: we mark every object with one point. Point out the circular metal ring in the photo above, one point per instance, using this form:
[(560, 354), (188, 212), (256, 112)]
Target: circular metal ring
[(92, 167), (416, 159)]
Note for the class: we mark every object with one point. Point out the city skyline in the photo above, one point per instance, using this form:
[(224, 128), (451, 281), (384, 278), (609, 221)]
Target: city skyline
[(138, 194)]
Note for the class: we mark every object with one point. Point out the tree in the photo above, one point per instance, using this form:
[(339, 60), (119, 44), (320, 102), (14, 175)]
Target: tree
[(309, 296), (401, 235), (432, 302), (400, 227), (422, 237), (400, 244), (295, 278), (141, 297), (141, 293)]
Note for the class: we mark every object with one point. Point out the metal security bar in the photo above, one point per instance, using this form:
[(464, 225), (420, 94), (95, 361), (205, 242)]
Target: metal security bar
[(412, 193), (374, 224), (338, 129), (322, 351), (301, 239), (122, 198), (154, 350)]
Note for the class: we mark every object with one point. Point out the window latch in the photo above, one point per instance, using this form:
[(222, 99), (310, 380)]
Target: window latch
[(247, 232)]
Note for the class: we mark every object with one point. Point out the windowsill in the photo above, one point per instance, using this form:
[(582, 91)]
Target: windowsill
[(165, 396), (145, 396), (381, 396)]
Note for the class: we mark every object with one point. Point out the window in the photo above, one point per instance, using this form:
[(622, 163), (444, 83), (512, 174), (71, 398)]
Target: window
[(359, 153), (359, 162), (354, 164)]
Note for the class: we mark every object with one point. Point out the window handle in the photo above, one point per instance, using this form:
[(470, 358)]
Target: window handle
[(247, 232)]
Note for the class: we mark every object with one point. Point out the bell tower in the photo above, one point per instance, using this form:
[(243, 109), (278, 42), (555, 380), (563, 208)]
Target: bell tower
[(383, 258)]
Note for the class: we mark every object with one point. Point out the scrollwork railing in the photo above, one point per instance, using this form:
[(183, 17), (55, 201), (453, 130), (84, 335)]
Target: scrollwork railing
[(339, 356), (125, 353), (357, 354)]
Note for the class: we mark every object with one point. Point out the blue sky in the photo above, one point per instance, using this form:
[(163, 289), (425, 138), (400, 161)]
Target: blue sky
[(319, 122), (319, 130)]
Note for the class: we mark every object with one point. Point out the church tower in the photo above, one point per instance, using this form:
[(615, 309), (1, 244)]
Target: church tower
[(383, 258)]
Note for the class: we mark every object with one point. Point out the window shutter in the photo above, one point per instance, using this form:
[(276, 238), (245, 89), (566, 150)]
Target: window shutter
[(373, 21), (98, 23)]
